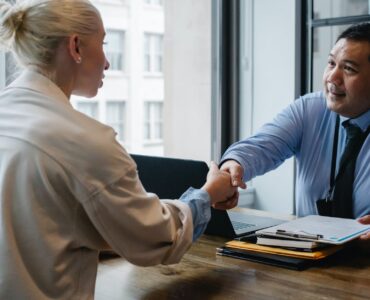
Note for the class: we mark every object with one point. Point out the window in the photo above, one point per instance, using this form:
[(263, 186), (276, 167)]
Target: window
[(88, 108), (324, 9), (154, 2), (137, 50), (153, 121), (153, 53), (115, 117), (114, 49), (267, 86)]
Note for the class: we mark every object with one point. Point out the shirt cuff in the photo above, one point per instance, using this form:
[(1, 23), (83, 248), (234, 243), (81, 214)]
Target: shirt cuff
[(200, 206)]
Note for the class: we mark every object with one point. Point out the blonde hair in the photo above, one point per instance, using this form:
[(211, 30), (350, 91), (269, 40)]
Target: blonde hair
[(33, 29)]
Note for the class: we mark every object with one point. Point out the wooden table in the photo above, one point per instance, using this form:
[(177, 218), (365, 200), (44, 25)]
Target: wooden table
[(203, 275)]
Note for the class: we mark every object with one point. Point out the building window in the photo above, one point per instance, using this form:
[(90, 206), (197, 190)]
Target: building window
[(88, 108), (153, 53), (114, 49), (115, 117), (339, 8), (154, 2), (153, 121)]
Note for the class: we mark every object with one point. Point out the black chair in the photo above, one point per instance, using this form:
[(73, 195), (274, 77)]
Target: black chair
[(169, 178)]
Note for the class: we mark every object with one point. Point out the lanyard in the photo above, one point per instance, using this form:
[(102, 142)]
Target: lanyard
[(333, 159)]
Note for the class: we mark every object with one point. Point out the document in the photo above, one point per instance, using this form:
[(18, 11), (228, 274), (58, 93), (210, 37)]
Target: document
[(318, 228)]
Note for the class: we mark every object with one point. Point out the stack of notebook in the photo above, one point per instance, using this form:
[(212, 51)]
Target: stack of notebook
[(278, 256), (297, 244)]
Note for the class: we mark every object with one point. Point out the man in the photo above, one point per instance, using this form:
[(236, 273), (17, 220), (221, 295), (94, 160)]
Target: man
[(306, 129)]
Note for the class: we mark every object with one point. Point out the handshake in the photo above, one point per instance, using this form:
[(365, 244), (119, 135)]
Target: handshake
[(222, 184)]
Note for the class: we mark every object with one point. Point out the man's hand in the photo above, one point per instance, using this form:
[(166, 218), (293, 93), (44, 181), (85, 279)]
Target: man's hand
[(223, 195), (365, 220), (236, 171)]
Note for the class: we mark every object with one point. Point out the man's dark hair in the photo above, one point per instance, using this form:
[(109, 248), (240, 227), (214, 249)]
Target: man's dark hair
[(356, 32)]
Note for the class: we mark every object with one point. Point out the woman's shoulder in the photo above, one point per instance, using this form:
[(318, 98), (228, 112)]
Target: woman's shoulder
[(84, 146)]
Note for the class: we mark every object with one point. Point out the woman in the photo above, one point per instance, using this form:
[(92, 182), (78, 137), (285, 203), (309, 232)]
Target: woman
[(67, 188)]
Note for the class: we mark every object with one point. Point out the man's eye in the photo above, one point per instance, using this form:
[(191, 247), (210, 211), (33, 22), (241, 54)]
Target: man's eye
[(331, 63), (349, 69)]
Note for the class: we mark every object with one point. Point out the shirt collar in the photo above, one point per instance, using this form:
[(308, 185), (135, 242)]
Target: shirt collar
[(362, 121), (35, 81)]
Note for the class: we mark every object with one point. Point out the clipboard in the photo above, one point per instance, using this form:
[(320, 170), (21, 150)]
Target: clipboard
[(321, 229)]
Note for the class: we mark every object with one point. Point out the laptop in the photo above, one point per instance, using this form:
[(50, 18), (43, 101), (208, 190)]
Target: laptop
[(231, 224), (169, 178)]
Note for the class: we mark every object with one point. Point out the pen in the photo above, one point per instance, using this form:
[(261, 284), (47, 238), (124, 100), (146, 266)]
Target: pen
[(299, 235)]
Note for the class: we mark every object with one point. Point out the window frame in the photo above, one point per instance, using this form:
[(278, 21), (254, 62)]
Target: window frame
[(122, 52), (152, 53), (96, 103), (123, 121), (151, 122), (225, 75), (152, 4)]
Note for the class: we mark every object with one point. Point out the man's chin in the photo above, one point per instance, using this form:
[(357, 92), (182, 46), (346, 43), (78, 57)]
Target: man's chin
[(334, 106), (340, 109)]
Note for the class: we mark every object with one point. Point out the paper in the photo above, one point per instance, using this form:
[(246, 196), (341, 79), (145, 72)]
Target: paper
[(318, 228)]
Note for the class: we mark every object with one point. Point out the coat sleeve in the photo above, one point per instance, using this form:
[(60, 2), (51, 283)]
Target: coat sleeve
[(139, 226)]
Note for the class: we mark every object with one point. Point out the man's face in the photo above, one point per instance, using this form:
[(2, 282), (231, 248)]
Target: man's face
[(347, 78)]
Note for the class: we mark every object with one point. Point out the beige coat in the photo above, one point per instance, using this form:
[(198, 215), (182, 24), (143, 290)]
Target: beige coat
[(68, 190)]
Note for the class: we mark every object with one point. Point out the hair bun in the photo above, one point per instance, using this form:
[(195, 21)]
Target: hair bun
[(18, 18), (11, 20)]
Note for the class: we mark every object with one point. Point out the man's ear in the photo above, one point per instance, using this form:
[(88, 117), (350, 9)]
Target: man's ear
[(74, 48)]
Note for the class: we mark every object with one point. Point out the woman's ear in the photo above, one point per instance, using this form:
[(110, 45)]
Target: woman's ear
[(74, 48)]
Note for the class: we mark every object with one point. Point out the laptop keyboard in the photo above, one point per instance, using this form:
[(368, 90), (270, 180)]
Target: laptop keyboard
[(239, 225)]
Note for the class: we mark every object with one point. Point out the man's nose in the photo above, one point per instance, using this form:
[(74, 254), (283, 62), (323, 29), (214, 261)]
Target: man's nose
[(335, 76), (107, 64)]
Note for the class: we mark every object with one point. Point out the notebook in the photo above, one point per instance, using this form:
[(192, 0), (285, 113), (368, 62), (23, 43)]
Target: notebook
[(169, 178), (288, 262), (287, 243)]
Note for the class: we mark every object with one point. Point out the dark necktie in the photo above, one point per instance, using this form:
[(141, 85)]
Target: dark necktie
[(342, 198)]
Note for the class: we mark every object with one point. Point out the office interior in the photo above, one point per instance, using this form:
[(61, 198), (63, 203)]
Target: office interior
[(188, 78)]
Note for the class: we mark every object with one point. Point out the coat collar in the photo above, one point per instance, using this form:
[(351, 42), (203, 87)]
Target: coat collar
[(30, 79)]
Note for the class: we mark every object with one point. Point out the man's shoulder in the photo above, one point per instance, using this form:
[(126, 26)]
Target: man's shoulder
[(314, 97), (313, 103)]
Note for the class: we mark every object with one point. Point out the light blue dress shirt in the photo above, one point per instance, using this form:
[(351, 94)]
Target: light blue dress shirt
[(305, 129), (199, 203)]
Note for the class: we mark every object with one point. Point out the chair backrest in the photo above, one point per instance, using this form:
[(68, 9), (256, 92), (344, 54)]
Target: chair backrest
[(169, 178)]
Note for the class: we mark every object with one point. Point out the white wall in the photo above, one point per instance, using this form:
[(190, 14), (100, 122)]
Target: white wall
[(187, 107), (269, 64)]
